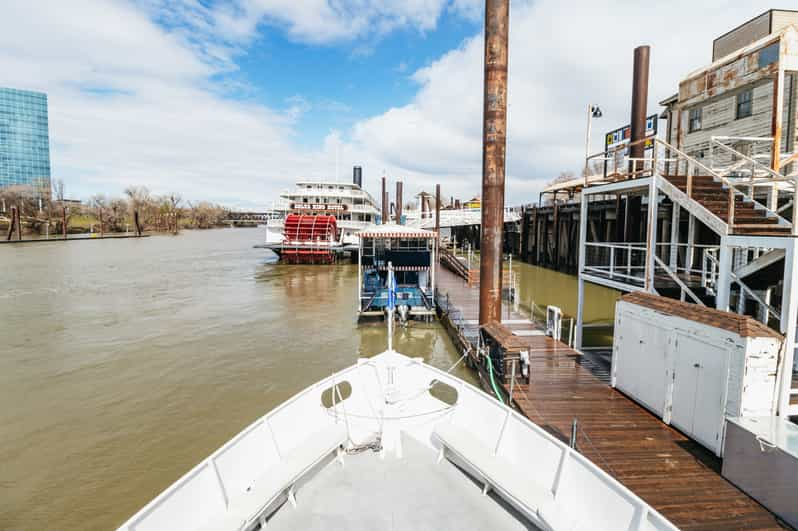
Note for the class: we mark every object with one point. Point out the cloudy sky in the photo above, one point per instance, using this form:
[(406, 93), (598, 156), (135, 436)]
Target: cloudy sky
[(233, 101)]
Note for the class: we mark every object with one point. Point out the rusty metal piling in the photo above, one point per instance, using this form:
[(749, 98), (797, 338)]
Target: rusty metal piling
[(384, 201), (398, 202), (438, 210), (639, 107), (494, 143)]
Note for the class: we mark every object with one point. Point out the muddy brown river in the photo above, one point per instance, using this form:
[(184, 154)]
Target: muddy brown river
[(125, 362)]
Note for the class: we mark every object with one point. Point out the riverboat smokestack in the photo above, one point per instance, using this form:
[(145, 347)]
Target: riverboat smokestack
[(639, 104), (494, 143), (398, 202), (357, 176)]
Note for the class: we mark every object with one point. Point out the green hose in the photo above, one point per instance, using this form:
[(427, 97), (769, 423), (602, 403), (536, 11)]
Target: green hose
[(492, 381)]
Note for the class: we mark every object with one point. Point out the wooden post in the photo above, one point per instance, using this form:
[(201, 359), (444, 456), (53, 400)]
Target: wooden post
[(535, 241), (19, 225), (11, 223), (63, 222), (136, 222), (675, 222), (556, 233), (102, 229)]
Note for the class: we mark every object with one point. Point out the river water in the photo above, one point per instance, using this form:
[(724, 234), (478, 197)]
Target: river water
[(125, 362)]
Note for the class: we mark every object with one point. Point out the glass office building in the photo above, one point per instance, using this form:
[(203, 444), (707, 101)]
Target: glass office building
[(24, 139)]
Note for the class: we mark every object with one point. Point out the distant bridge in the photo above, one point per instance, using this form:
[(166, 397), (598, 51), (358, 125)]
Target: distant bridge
[(249, 218)]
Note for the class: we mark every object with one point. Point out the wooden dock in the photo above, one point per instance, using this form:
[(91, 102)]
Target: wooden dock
[(674, 474)]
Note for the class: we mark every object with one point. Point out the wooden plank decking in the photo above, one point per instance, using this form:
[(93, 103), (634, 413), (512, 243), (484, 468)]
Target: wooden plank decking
[(677, 476)]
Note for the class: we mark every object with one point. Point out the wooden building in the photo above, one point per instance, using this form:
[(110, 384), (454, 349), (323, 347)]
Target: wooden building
[(746, 101)]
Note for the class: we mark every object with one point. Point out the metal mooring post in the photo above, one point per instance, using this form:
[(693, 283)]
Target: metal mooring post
[(512, 385), (572, 443), (494, 142)]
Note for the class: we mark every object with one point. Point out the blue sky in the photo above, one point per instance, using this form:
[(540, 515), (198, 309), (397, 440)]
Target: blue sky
[(335, 85), (232, 101)]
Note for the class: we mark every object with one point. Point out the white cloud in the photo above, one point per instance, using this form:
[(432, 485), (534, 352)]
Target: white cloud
[(131, 103), (314, 21), (562, 57)]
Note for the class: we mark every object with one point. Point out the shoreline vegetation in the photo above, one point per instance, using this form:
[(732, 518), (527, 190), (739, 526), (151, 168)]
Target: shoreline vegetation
[(27, 211)]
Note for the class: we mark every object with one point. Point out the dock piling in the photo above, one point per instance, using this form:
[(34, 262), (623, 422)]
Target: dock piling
[(494, 141)]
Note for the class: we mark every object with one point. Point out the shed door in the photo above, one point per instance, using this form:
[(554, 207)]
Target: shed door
[(710, 395), (699, 389), (640, 371), (685, 382)]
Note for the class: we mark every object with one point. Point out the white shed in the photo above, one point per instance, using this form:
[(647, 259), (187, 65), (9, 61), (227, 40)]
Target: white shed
[(694, 366)]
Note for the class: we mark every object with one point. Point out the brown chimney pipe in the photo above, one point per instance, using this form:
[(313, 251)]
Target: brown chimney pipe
[(398, 202), (639, 103)]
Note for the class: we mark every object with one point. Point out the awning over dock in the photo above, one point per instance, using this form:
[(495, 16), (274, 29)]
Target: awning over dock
[(393, 231)]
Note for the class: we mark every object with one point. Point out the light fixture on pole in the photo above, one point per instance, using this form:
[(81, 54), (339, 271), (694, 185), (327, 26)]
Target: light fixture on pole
[(593, 111)]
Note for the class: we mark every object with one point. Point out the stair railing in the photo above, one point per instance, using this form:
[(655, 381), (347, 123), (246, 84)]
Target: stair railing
[(665, 159), (759, 174), (733, 185), (685, 290)]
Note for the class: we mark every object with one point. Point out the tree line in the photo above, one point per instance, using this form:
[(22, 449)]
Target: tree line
[(27, 209)]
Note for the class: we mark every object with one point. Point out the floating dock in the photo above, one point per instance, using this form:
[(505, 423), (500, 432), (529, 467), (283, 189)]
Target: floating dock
[(677, 476)]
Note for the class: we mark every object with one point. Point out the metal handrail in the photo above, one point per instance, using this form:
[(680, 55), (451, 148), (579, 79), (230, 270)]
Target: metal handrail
[(716, 141), (776, 314), (675, 277)]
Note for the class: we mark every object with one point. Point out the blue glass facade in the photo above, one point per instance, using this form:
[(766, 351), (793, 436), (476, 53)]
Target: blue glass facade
[(24, 139)]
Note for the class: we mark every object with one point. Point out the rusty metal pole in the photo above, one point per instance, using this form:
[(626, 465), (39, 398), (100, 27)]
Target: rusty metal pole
[(639, 104), (438, 211), (398, 202), (19, 225), (384, 201), (494, 142), (64, 222)]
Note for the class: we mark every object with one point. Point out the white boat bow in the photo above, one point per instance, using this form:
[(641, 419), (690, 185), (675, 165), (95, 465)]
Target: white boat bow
[(393, 443)]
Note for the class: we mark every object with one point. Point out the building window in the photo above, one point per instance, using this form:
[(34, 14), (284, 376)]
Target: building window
[(744, 104), (769, 55), (695, 120)]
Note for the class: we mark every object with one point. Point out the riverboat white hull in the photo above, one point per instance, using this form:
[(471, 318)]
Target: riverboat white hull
[(398, 445)]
